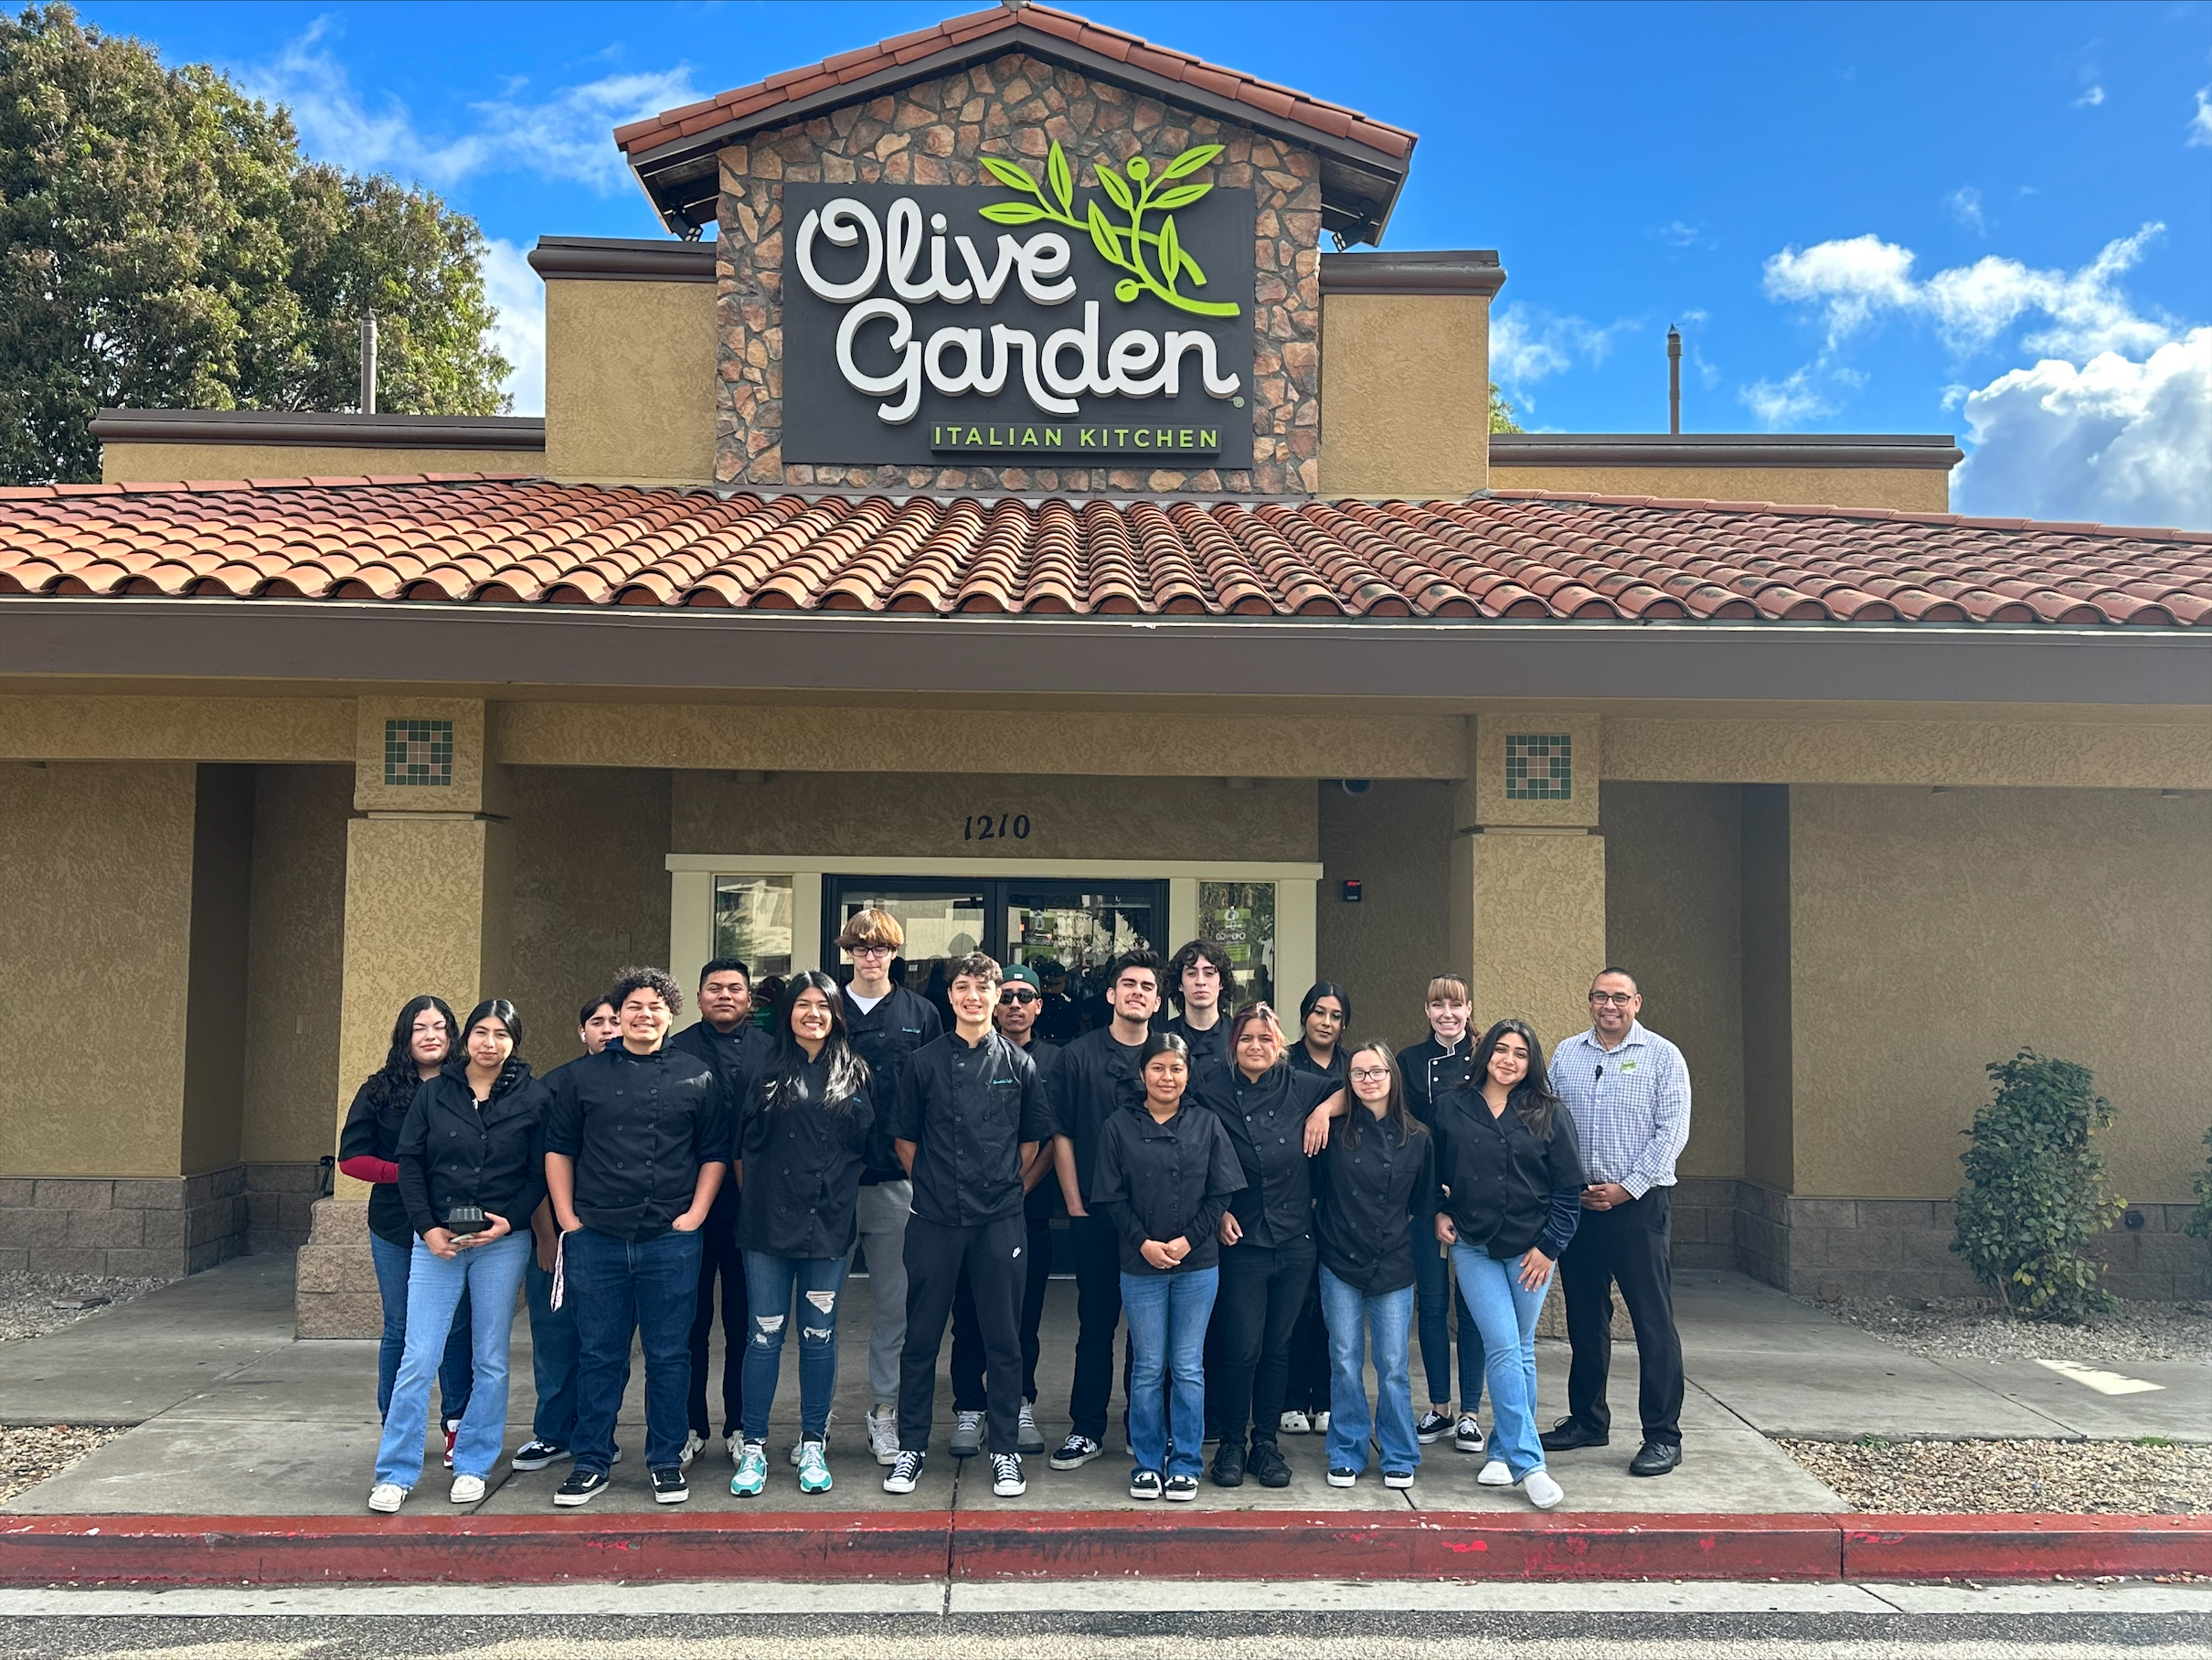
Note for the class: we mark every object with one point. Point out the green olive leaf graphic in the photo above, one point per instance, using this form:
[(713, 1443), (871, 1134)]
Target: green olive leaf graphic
[(1063, 182), (1010, 175), (1189, 162), (1171, 249), (1013, 213), (1104, 237), (1182, 195), (1117, 188)]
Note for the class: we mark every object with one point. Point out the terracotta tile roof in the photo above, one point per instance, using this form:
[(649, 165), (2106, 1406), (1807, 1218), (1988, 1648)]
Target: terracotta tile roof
[(756, 104), (1521, 554)]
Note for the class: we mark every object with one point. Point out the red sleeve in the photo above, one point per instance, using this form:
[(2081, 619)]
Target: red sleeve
[(368, 1169)]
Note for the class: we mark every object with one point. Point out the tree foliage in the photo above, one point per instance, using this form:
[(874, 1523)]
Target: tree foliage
[(1501, 413), (2199, 1224), (2035, 1193), (162, 244)]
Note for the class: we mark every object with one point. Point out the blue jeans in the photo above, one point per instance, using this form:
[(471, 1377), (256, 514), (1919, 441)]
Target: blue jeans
[(1432, 1288), (552, 1359), (619, 1290), (491, 1274), (1507, 1316), (771, 1282), (1351, 1315), (1167, 1315), (391, 1263)]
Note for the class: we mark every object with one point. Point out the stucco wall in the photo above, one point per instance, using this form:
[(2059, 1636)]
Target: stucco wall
[(1672, 918), (1933, 933), (1769, 1122), (932, 134), (166, 463), (1908, 489), (630, 381), (921, 815), (95, 920), (295, 968), (215, 1018), (1405, 395), (590, 893), (1396, 840)]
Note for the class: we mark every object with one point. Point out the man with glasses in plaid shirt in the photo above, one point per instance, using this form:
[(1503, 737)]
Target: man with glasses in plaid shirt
[(1629, 1092)]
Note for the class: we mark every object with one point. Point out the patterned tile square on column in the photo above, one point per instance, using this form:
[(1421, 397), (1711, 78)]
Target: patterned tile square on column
[(1540, 768), (419, 752)]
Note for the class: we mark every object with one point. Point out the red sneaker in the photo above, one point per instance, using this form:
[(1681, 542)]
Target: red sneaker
[(453, 1431)]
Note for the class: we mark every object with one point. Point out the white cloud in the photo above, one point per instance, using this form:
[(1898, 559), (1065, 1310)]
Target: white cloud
[(520, 332), (2090, 98), (1529, 344), (565, 136), (1776, 404), (1854, 279), (1676, 233), (2113, 440), (1965, 205), (2200, 124)]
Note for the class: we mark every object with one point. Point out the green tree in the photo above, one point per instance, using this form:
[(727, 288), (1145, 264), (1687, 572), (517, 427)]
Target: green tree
[(1501, 413), (162, 244)]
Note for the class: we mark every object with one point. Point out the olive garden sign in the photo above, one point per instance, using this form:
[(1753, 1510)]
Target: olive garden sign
[(1021, 318)]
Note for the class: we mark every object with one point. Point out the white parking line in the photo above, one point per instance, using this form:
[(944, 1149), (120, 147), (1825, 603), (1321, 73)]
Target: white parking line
[(1399, 1596), (2104, 1383)]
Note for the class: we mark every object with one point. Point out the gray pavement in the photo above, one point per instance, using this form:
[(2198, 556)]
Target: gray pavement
[(234, 1417)]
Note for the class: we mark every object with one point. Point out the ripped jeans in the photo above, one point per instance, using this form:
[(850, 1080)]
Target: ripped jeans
[(771, 1282)]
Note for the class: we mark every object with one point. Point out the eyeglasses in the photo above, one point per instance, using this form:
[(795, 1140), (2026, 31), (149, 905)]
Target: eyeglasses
[(874, 951), (1618, 999), (1020, 994), (1370, 1074)]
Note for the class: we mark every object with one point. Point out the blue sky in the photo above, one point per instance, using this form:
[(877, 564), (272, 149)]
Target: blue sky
[(1991, 219)]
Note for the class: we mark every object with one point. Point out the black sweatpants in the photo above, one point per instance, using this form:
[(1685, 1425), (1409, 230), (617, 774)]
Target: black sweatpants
[(719, 1258), (1264, 1290), (1626, 1246), (968, 1393), (995, 1258), (1098, 1314)]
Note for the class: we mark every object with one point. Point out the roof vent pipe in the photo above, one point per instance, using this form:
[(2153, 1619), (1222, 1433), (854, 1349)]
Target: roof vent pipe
[(369, 364), (1674, 381)]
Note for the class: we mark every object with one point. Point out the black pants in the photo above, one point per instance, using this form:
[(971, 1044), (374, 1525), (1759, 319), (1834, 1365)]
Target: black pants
[(1306, 1389), (1627, 1247), (720, 1258), (994, 1256), (968, 1393), (1098, 1314), (1264, 1290)]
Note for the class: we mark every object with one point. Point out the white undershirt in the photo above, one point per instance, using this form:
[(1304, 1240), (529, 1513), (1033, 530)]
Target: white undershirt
[(863, 1004)]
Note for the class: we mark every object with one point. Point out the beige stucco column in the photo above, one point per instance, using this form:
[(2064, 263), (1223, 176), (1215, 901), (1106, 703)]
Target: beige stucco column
[(427, 864), (1528, 870)]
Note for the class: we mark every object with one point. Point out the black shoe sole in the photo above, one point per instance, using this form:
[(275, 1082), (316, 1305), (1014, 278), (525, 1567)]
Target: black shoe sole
[(1668, 1468), (1058, 1462), (569, 1500), (1224, 1481), (1575, 1444)]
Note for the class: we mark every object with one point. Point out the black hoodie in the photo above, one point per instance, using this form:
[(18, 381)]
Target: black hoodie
[(453, 1152)]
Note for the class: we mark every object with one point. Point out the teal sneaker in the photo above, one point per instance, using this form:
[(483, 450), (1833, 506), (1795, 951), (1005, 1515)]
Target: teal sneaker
[(813, 1468), (752, 1471)]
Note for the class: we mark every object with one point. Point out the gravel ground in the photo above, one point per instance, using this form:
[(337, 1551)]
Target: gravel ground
[(28, 1456), (1935, 1477), (26, 1301), (1948, 1327)]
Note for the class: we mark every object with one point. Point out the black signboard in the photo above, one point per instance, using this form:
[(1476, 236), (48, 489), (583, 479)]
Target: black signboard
[(1021, 321)]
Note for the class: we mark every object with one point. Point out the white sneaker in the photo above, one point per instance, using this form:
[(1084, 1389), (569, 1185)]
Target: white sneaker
[(695, 1443), (1006, 1475), (1295, 1422), (883, 1436), (1495, 1474), (1467, 1434), (1543, 1492), (797, 1445), (386, 1498), (467, 1490), (1320, 1421)]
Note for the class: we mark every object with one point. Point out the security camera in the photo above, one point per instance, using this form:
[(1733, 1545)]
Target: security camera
[(1355, 786)]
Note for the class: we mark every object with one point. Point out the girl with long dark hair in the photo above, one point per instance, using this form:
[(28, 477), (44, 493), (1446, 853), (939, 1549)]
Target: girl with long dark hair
[(471, 1172), (1378, 1174), (1509, 1194), (423, 1039), (802, 1144), (1324, 1015)]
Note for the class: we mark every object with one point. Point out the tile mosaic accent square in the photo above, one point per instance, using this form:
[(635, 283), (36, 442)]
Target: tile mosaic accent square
[(1540, 768), (418, 752)]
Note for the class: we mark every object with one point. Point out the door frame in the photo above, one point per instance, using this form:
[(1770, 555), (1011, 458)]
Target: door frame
[(691, 896), (995, 891)]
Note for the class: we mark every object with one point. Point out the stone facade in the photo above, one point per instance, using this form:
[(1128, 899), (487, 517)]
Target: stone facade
[(151, 1227), (932, 134), (334, 1286)]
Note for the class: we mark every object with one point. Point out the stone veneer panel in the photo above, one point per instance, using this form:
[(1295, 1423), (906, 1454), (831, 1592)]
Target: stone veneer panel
[(932, 133), (334, 1286), (155, 1227)]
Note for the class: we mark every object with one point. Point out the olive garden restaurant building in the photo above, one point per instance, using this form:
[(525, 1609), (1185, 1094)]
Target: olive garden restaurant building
[(1012, 518)]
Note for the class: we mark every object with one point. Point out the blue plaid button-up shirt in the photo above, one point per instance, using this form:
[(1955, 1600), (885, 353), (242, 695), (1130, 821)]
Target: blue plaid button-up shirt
[(1632, 1106)]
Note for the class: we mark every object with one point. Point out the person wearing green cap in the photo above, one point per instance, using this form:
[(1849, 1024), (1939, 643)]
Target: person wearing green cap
[(1020, 995)]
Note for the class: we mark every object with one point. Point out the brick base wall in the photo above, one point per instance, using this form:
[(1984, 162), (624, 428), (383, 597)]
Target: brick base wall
[(335, 1286), (151, 1227)]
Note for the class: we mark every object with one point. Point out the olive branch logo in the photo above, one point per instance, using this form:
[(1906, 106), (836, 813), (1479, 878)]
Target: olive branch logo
[(1142, 192)]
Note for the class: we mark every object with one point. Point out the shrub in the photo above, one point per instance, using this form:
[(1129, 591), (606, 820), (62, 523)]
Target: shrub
[(2035, 1193), (2200, 1224)]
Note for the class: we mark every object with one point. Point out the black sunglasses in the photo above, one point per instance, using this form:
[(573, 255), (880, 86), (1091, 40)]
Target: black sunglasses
[(1019, 993)]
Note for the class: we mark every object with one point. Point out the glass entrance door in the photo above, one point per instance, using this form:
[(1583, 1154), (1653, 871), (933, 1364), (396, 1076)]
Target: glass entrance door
[(1066, 930)]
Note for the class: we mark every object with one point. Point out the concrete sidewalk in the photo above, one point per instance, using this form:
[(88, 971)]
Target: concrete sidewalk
[(235, 1418)]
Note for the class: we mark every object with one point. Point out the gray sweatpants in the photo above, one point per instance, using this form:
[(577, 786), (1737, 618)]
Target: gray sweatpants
[(881, 1217)]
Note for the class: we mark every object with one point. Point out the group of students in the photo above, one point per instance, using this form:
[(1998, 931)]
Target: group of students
[(1235, 1198)]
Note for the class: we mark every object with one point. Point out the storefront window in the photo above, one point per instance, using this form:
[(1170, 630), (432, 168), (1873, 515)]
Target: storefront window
[(752, 921), (1242, 916)]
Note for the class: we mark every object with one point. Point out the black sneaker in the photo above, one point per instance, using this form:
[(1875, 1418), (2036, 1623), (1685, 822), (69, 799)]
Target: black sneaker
[(1430, 1428), (1181, 1488), (581, 1487), (1228, 1464), (1144, 1484), (904, 1474), (1076, 1451), (538, 1455), (1268, 1465), (1006, 1475), (670, 1485)]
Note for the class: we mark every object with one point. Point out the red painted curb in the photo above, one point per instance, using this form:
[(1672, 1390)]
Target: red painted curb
[(1033, 1545), (2017, 1547)]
